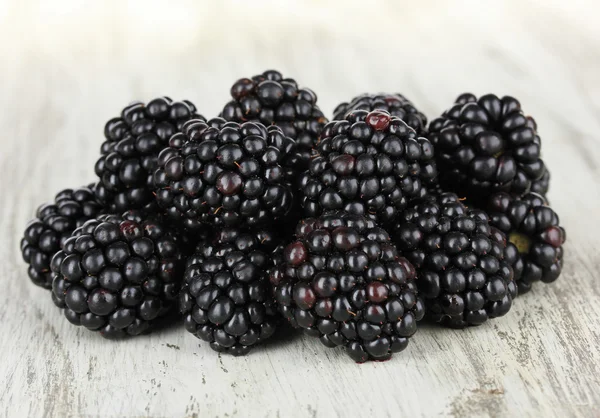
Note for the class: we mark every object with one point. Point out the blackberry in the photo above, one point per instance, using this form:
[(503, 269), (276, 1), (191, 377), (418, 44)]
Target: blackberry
[(118, 274), (464, 275), (270, 99), (225, 174), (541, 185), (370, 164), (534, 228), (511, 252), (130, 152), (366, 131), (226, 298), (53, 224), (488, 144), (395, 104), (343, 281)]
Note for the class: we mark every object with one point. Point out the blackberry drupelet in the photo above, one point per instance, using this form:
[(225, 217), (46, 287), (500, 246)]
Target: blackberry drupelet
[(541, 185), (465, 276), (130, 152), (225, 174), (511, 252), (53, 224), (118, 274), (534, 228), (395, 104), (342, 280), (370, 164), (226, 298), (270, 99), (488, 144)]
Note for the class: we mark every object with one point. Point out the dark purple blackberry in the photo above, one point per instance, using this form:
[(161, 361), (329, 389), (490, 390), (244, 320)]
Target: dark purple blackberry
[(488, 144), (342, 280), (395, 104), (534, 228), (118, 274), (225, 174), (270, 99), (226, 298), (53, 224), (541, 185), (367, 132), (130, 152), (511, 252), (463, 274), (370, 164)]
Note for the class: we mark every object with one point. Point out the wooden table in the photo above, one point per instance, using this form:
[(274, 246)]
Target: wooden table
[(69, 66)]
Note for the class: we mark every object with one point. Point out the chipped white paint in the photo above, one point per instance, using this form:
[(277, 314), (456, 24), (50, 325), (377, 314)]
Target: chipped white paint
[(67, 67)]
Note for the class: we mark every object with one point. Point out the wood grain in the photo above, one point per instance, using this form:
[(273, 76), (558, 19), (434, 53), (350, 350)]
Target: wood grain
[(68, 66)]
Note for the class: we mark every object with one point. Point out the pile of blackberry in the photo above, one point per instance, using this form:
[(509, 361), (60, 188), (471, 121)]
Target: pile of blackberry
[(270, 216)]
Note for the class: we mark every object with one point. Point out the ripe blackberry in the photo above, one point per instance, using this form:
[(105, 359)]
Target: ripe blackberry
[(534, 228), (464, 275), (367, 131), (117, 274), (370, 164), (342, 280), (53, 224), (270, 99), (130, 152), (395, 104), (225, 174), (487, 144), (511, 252), (542, 185), (226, 298)]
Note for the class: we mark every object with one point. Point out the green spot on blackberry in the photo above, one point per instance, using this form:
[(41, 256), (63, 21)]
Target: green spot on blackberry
[(521, 241)]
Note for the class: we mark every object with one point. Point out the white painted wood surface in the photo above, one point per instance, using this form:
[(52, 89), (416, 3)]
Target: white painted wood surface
[(68, 66)]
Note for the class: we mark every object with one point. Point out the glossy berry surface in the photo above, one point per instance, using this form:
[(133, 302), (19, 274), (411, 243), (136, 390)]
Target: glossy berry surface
[(370, 164), (395, 104), (118, 274), (488, 144), (463, 274), (271, 99), (542, 185), (225, 174), (511, 253), (53, 224), (226, 298), (534, 228), (130, 151), (343, 281)]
